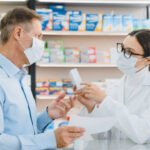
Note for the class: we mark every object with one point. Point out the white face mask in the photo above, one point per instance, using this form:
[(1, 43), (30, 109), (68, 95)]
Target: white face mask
[(35, 52), (127, 65)]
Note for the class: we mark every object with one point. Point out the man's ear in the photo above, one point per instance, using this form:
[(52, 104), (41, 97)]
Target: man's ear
[(17, 33)]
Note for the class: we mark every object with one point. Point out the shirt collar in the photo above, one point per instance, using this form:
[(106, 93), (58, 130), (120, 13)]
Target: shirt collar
[(21, 73), (8, 66)]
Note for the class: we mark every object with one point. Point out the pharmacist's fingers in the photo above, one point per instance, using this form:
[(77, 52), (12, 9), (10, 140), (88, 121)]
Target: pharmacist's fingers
[(87, 88), (82, 100), (89, 96), (72, 99), (74, 88), (61, 96), (85, 83), (86, 91), (79, 92), (82, 91)]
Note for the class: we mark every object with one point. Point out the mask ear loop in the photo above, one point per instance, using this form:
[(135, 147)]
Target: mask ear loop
[(148, 59), (143, 65), (28, 36), (23, 47)]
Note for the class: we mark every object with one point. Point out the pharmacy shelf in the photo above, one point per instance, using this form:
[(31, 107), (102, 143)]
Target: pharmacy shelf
[(13, 1), (104, 2), (42, 97), (84, 33), (76, 65)]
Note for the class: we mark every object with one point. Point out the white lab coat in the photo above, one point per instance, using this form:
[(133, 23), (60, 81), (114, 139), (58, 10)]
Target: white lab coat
[(130, 109)]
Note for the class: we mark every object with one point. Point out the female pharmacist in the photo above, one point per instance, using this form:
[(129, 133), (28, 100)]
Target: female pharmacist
[(128, 102)]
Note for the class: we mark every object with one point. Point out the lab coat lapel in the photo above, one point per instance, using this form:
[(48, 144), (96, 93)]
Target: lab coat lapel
[(121, 90), (147, 79), (115, 133), (30, 100)]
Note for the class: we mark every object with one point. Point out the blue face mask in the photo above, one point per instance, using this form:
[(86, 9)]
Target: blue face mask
[(127, 65)]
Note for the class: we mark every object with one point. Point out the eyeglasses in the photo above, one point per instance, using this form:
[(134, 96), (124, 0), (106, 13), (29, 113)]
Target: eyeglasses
[(127, 51)]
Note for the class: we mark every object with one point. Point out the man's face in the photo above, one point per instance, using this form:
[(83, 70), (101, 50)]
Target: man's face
[(23, 35), (34, 31)]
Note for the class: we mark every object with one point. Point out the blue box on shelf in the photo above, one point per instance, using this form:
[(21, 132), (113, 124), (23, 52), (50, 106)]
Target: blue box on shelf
[(93, 22)]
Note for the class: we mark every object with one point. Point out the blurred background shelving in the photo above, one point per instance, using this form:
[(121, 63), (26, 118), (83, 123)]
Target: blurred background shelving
[(76, 39)]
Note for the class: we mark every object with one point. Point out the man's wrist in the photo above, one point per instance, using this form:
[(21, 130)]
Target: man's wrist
[(47, 110)]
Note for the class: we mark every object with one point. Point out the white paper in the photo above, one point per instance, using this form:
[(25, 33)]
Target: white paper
[(92, 125)]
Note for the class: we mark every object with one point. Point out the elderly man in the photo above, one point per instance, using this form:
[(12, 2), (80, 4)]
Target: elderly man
[(20, 126)]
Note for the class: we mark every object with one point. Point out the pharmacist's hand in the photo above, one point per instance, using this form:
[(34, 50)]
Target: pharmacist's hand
[(66, 135), (91, 91), (88, 103), (60, 106)]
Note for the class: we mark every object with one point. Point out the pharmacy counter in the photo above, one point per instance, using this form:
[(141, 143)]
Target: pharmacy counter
[(91, 144)]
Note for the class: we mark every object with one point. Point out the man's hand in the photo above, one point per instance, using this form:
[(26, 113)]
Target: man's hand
[(66, 135), (60, 107)]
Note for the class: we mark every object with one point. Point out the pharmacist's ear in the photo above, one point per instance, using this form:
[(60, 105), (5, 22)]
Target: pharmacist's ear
[(17, 33)]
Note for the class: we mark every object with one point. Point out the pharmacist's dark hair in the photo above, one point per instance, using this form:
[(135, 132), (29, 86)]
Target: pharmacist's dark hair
[(20, 16), (143, 37)]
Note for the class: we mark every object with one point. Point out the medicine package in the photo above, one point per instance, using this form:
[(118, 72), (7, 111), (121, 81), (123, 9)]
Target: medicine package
[(76, 79)]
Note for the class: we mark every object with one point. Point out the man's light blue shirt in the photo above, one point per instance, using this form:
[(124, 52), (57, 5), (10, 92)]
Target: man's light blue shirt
[(20, 126)]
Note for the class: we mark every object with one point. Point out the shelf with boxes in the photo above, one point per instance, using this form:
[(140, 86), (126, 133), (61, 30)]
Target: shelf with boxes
[(46, 88), (84, 33), (87, 38), (50, 89), (56, 55), (57, 18), (50, 65), (12, 1), (6, 5)]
